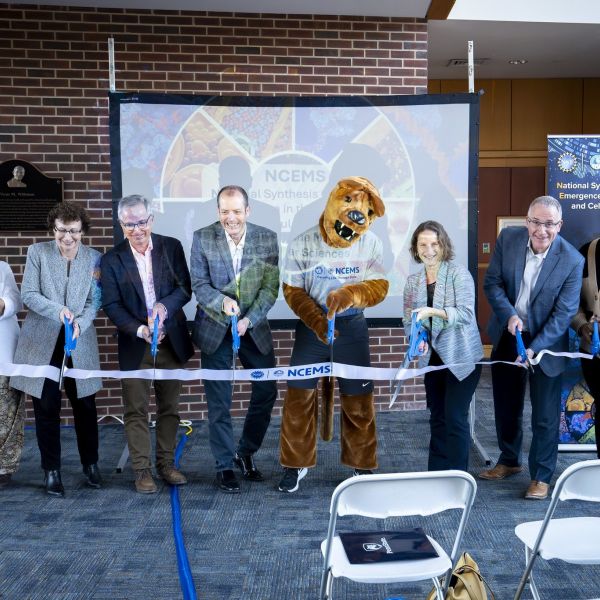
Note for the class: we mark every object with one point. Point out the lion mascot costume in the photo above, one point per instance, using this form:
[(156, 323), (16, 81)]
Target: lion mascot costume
[(333, 269)]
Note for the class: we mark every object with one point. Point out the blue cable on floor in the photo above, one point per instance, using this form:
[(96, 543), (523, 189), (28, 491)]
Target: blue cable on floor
[(183, 564)]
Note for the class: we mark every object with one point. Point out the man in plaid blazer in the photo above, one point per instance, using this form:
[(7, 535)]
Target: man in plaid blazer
[(234, 270)]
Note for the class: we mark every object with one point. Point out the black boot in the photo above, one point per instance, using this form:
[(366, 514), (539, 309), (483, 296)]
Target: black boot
[(93, 477), (53, 483)]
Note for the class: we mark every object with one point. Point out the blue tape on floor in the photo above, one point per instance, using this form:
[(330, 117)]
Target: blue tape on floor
[(183, 564)]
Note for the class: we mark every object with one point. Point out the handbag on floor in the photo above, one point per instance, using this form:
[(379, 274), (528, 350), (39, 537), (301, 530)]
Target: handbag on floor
[(466, 582)]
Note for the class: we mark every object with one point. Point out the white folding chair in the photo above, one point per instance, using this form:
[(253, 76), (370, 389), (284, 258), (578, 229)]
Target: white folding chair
[(573, 540), (396, 495)]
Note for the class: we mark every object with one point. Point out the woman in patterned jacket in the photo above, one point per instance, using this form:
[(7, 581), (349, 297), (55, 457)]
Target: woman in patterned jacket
[(61, 282), (442, 294)]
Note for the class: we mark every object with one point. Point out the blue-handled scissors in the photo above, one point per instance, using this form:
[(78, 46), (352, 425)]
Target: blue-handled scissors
[(418, 334), (235, 345), (70, 345), (330, 340), (522, 351), (154, 345)]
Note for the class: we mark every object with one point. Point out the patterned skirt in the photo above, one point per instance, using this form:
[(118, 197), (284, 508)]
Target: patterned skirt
[(12, 420)]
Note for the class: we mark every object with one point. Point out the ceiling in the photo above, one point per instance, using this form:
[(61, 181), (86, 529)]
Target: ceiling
[(556, 38)]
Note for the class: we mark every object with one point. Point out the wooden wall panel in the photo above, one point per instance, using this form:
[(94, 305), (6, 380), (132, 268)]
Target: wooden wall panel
[(526, 184), (544, 106), (433, 86), (591, 105), (494, 201)]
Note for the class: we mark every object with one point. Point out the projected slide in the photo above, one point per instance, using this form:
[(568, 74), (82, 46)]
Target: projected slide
[(288, 153)]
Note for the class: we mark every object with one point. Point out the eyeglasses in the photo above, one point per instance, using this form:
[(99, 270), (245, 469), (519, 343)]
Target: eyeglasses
[(62, 231), (139, 224), (547, 225)]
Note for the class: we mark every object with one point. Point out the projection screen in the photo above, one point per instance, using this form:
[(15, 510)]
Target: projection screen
[(420, 151)]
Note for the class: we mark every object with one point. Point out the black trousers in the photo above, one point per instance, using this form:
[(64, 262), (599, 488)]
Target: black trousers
[(218, 399), (448, 400), (508, 384), (47, 417), (591, 372)]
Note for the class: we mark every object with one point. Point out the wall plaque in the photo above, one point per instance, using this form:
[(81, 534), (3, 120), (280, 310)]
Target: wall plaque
[(26, 196)]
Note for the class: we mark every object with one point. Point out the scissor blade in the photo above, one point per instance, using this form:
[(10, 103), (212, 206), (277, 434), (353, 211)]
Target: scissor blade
[(405, 364), (62, 370), (233, 370)]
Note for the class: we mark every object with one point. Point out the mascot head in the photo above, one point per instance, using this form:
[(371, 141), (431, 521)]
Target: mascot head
[(353, 204)]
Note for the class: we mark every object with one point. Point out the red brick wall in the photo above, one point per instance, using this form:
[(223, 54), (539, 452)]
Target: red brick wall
[(54, 107)]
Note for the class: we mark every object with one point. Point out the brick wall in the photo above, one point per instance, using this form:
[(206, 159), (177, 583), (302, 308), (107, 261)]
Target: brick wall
[(54, 108)]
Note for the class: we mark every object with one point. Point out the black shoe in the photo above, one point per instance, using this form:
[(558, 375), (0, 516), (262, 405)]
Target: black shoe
[(290, 481), (93, 477), (53, 484), (359, 472), (5, 479), (245, 462), (227, 482)]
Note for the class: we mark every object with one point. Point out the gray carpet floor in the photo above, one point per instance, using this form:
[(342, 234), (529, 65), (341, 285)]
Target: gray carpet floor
[(115, 544)]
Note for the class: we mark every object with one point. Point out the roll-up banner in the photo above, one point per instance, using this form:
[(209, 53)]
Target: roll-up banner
[(574, 180)]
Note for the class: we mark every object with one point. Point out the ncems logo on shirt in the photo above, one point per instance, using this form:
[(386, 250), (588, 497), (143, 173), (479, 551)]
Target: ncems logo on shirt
[(342, 272)]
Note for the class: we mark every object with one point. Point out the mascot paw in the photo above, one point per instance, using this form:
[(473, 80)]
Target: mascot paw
[(338, 301), (320, 330)]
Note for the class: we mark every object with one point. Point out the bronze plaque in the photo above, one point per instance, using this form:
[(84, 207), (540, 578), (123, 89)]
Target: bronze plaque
[(26, 196)]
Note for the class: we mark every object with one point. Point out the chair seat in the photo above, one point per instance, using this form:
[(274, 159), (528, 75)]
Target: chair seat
[(387, 572), (573, 540)]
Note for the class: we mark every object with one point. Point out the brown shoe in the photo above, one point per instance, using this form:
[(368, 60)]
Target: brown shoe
[(499, 472), (171, 475), (537, 490), (144, 483)]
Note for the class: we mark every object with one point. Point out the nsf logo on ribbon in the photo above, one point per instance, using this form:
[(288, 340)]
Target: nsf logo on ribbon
[(257, 374)]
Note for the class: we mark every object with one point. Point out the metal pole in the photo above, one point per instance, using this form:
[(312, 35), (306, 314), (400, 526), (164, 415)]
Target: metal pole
[(471, 67), (111, 65)]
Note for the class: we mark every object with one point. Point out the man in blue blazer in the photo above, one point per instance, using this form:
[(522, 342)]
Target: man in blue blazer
[(144, 276), (234, 267), (532, 284)]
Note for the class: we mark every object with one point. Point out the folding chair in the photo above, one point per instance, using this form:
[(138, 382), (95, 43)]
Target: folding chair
[(573, 540), (396, 495)]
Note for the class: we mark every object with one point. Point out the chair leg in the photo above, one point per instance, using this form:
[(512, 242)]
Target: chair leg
[(528, 576), (439, 593), (326, 585)]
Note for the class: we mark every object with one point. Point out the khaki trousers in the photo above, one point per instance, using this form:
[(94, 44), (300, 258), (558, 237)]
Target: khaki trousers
[(136, 394)]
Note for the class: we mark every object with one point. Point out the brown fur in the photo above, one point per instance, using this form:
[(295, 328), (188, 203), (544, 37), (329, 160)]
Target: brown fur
[(298, 437), (307, 310), (350, 194), (299, 430), (357, 295), (358, 434)]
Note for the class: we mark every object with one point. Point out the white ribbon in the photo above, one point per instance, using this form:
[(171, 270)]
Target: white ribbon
[(274, 374)]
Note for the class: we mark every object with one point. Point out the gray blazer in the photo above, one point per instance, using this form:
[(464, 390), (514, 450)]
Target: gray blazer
[(45, 290), (553, 302), (457, 339), (213, 278)]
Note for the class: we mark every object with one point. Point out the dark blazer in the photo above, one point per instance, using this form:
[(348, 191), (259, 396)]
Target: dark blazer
[(554, 299), (123, 297), (213, 278)]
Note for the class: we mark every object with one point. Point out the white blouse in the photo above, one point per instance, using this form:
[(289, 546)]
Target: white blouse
[(9, 327)]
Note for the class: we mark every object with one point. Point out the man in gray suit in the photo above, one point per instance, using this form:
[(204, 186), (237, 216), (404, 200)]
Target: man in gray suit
[(234, 270), (532, 285)]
